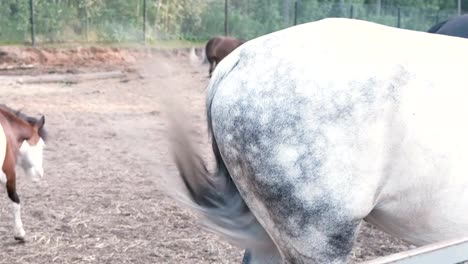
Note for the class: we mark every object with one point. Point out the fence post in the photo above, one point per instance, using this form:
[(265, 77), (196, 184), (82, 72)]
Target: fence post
[(459, 7), (86, 22), (144, 21), (295, 13), (399, 17), (226, 23), (351, 11), (342, 8), (379, 7), (33, 23)]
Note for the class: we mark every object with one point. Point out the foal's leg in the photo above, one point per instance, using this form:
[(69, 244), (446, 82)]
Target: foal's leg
[(10, 183)]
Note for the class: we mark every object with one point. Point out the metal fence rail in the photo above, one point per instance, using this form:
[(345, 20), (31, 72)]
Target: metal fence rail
[(447, 252)]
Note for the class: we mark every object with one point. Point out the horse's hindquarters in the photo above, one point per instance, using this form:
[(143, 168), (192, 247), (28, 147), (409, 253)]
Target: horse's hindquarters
[(322, 129), (290, 172)]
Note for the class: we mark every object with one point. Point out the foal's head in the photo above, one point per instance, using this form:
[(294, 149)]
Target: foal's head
[(31, 150)]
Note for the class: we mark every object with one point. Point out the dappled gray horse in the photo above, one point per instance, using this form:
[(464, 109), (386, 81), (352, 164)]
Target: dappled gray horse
[(314, 129)]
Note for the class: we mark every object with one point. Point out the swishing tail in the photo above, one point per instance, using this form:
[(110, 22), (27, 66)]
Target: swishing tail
[(216, 198), (204, 59), (195, 60), (214, 195)]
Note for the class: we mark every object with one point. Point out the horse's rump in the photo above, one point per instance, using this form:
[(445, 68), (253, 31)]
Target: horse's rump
[(218, 48)]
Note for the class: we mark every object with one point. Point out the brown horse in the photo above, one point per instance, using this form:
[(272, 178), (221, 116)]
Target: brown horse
[(217, 48), (21, 141)]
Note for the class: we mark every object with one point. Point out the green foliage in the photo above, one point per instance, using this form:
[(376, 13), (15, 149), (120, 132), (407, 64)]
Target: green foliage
[(52, 19), (211, 22), (115, 21), (121, 21), (14, 21)]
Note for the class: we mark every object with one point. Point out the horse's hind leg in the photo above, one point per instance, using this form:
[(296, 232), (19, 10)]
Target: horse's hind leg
[(308, 221), (252, 256), (321, 238), (10, 184)]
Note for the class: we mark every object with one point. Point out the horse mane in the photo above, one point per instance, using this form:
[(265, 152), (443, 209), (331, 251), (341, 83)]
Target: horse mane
[(31, 120)]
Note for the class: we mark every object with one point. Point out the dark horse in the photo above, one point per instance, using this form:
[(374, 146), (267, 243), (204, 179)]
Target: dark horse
[(217, 48), (456, 26)]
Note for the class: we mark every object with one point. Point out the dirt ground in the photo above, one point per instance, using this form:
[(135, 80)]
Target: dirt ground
[(103, 197)]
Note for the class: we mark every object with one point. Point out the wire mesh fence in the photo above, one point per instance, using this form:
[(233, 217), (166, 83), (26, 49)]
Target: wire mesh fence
[(58, 21)]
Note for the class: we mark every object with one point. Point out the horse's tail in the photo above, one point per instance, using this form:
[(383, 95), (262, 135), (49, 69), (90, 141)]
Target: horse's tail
[(204, 58), (195, 60), (214, 195)]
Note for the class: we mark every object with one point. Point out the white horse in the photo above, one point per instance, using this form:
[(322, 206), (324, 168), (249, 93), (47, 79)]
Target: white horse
[(321, 125), (21, 142)]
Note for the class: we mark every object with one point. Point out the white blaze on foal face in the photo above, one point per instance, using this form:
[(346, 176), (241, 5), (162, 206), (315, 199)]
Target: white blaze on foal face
[(31, 159)]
